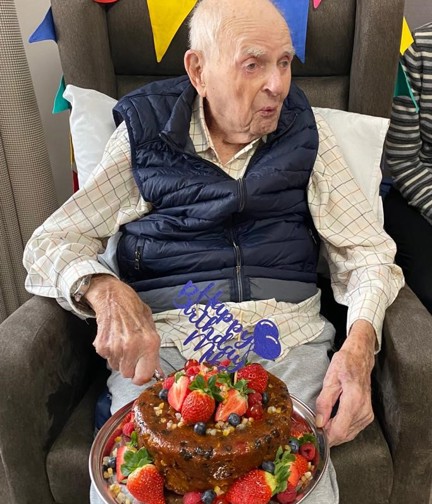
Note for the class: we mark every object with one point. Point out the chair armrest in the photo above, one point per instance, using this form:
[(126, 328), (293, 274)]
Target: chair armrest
[(44, 369), (403, 374)]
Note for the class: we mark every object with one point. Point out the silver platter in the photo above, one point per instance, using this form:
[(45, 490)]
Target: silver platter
[(99, 450)]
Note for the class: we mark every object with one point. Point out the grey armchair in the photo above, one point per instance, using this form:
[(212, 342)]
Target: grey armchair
[(49, 372)]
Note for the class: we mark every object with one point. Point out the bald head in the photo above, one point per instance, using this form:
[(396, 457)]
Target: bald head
[(240, 64), (217, 24)]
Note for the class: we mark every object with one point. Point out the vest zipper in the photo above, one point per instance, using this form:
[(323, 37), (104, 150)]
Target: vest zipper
[(312, 236), (240, 183), (238, 268), (137, 257)]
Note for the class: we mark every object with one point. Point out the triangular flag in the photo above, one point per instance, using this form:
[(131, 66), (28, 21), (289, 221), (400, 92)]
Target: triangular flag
[(60, 103), (166, 18), (406, 39), (403, 87), (296, 15), (316, 3), (46, 30), (105, 1)]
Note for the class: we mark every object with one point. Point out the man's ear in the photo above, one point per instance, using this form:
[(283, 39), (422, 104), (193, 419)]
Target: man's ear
[(193, 62)]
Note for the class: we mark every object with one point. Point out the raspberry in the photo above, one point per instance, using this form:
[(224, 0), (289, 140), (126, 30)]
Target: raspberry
[(192, 498), (128, 428), (308, 451)]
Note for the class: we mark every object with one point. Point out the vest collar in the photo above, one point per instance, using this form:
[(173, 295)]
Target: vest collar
[(176, 130)]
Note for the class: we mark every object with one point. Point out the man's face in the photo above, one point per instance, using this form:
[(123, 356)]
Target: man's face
[(247, 83)]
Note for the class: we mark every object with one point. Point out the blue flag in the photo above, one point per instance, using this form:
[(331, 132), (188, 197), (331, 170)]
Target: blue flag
[(296, 15), (46, 30)]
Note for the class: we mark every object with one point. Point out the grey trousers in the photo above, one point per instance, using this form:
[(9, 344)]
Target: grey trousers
[(303, 371)]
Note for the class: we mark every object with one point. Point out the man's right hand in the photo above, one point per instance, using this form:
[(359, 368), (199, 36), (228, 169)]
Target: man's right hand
[(126, 334)]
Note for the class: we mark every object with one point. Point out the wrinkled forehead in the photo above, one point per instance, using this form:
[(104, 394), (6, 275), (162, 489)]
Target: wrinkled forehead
[(255, 37)]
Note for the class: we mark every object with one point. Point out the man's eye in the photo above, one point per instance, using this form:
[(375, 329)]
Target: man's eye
[(251, 66), (285, 63)]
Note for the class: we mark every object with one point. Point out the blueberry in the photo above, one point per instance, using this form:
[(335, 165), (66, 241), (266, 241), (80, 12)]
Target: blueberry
[(234, 419), (208, 497), (163, 394), (200, 428), (294, 445), (265, 398), (268, 466), (112, 462)]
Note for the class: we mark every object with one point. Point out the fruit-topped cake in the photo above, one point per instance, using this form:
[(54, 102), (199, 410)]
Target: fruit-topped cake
[(205, 427), (206, 435)]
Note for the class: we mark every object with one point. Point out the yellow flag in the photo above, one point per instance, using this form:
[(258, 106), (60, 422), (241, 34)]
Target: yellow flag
[(166, 17), (407, 38)]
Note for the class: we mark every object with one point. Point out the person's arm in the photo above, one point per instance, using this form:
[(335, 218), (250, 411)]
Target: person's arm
[(364, 277), (409, 140), (65, 247)]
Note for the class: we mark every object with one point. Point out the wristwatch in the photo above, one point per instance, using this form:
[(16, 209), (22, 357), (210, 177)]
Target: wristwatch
[(82, 286)]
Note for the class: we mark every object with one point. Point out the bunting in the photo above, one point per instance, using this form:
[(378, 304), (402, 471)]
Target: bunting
[(296, 15), (166, 18), (60, 103), (402, 85), (46, 30), (316, 3), (406, 39)]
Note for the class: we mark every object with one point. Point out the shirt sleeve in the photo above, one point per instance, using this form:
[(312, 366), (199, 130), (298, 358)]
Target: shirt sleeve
[(65, 247), (359, 252), (408, 142)]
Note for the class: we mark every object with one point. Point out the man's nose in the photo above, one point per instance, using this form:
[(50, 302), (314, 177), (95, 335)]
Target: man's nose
[(274, 83)]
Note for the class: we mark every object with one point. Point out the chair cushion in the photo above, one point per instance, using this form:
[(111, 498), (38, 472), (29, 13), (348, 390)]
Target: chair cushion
[(67, 461), (364, 468)]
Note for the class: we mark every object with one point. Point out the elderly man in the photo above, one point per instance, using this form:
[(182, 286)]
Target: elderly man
[(225, 177)]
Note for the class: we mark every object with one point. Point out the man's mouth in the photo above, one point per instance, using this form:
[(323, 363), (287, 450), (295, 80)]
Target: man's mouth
[(268, 111)]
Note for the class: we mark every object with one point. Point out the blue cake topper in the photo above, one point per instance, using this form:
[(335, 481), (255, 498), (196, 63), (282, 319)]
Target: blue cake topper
[(234, 342)]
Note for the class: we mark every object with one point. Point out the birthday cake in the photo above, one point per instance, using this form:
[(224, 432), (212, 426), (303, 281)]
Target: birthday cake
[(204, 427)]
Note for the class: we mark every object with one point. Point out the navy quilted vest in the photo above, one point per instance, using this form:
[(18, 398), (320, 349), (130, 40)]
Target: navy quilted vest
[(206, 226)]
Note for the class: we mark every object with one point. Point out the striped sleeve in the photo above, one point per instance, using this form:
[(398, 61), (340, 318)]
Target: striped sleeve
[(409, 140)]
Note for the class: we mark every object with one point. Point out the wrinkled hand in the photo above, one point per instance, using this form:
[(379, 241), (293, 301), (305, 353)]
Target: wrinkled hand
[(126, 334), (348, 379)]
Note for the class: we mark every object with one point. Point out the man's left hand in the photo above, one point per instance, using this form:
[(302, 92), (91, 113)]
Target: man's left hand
[(348, 379)]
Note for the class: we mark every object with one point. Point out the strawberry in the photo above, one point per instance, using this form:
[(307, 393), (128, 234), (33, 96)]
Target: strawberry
[(200, 404), (301, 464), (144, 481), (294, 476), (298, 427), (190, 363), (146, 484), (178, 391), (255, 375), (193, 371), (192, 498), (234, 402), (255, 487), (197, 407), (121, 450)]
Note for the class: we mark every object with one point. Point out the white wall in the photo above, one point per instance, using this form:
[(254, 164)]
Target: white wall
[(46, 72)]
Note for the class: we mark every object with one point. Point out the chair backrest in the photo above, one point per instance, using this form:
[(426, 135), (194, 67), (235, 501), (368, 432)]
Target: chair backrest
[(352, 50)]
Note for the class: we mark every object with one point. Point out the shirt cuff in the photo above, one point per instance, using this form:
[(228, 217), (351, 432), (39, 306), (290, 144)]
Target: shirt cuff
[(71, 275), (371, 309)]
